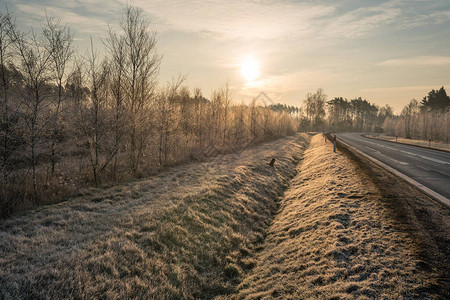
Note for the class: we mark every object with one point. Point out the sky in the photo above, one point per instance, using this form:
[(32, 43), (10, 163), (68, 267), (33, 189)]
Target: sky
[(387, 52)]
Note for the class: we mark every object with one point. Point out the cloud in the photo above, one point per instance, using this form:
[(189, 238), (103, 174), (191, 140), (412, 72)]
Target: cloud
[(237, 19), (418, 61), (361, 21), (301, 45), (244, 20), (79, 22)]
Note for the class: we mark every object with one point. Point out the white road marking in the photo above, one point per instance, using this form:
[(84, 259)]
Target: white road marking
[(426, 157), (376, 151), (423, 168), (379, 153), (397, 161), (405, 152), (443, 173)]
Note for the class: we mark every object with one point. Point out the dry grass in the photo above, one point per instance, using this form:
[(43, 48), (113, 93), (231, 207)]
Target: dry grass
[(334, 238), (189, 232), (422, 143), (221, 228)]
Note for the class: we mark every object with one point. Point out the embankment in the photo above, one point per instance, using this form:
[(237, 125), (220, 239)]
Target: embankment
[(189, 232), (335, 238)]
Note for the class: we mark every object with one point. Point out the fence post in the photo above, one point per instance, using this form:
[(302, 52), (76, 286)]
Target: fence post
[(334, 144)]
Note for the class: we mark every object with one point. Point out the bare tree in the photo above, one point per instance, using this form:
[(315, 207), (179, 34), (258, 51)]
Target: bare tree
[(33, 64), (166, 117), (95, 115), (186, 122), (409, 114), (315, 109), (199, 116), (77, 93), (5, 59), (226, 94), (253, 120), (141, 68), (116, 48), (58, 42), (11, 187)]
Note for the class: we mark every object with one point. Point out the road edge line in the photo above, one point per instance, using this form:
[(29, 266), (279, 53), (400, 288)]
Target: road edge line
[(419, 146), (436, 196)]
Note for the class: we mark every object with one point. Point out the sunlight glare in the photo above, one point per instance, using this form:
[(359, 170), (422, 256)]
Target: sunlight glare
[(250, 69)]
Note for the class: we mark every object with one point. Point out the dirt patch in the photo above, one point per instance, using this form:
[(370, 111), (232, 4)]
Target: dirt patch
[(335, 238)]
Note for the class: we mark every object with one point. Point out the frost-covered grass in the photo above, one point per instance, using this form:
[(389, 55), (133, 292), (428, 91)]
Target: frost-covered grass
[(229, 227), (334, 239), (191, 231)]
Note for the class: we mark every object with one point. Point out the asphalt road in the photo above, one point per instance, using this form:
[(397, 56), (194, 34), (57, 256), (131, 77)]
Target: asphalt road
[(428, 167)]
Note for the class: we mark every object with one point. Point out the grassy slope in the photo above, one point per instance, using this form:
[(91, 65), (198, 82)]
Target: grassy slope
[(334, 238), (189, 232)]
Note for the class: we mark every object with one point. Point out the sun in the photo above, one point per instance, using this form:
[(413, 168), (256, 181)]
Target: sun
[(250, 69)]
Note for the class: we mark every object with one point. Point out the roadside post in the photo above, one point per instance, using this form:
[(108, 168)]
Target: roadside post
[(396, 138), (334, 144), (429, 143)]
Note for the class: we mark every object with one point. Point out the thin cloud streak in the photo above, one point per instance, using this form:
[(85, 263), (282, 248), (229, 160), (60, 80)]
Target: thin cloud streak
[(418, 61), (81, 23), (238, 19)]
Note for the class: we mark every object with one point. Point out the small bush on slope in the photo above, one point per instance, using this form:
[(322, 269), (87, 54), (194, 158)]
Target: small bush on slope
[(186, 233)]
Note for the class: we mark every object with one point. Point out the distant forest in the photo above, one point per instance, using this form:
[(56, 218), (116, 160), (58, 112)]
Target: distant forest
[(429, 119), (70, 120)]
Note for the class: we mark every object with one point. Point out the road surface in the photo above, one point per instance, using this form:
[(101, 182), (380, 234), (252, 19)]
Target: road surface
[(428, 167)]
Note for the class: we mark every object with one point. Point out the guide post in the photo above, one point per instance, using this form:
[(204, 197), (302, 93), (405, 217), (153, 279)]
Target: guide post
[(334, 144)]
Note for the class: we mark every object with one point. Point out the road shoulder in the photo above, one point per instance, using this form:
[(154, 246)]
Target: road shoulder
[(422, 218), (337, 237)]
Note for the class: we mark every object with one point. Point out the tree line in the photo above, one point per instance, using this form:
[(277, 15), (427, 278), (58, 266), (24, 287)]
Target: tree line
[(340, 114), (69, 120), (429, 119)]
